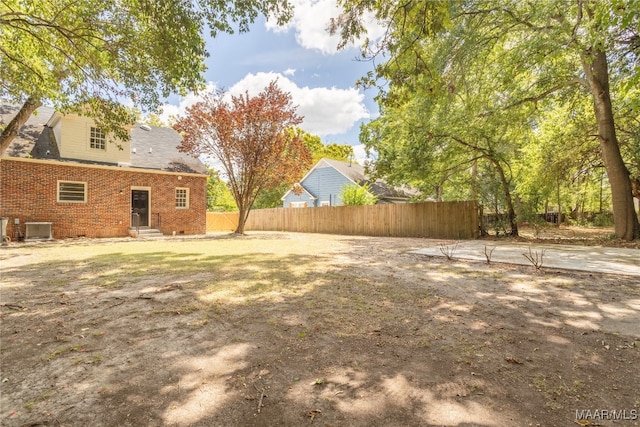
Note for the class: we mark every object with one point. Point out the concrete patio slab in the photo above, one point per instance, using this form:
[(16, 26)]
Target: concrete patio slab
[(569, 257)]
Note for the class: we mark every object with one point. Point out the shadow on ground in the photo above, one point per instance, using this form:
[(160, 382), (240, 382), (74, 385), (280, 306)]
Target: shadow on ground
[(363, 333)]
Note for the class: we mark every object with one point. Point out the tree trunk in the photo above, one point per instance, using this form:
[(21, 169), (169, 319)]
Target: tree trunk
[(12, 129), (245, 202), (439, 193), (625, 219), (474, 180), (243, 214), (507, 197), (559, 203)]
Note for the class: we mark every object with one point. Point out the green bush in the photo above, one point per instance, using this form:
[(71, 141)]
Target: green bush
[(357, 195)]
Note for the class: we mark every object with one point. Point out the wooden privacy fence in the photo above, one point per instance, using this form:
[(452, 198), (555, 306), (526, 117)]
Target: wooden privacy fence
[(444, 220), (222, 221)]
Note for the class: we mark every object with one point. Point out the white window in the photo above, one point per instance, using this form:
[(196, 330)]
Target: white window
[(325, 203), (97, 140), (298, 204), (182, 198), (72, 191)]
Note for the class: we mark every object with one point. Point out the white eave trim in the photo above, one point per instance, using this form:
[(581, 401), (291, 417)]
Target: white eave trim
[(311, 196), (54, 119)]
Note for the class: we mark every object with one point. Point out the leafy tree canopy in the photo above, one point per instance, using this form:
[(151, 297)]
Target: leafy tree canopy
[(272, 197), (319, 150), (540, 53), (91, 56), (248, 136), (219, 198)]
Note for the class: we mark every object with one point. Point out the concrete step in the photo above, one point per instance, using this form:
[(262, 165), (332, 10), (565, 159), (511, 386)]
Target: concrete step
[(146, 233)]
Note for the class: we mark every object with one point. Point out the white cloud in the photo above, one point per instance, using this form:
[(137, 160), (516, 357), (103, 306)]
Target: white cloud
[(170, 110), (359, 153), (311, 20), (326, 111), (290, 72)]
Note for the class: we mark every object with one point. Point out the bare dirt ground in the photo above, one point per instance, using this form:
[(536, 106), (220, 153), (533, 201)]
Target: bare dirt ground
[(278, 329), (574, 235)]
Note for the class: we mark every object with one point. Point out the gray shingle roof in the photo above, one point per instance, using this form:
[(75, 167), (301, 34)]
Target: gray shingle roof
[(33, 138), (157, 149), (154, 149), (353, 171)]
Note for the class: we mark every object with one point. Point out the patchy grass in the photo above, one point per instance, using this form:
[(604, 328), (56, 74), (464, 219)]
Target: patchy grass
[(352, 330), (61, 351)]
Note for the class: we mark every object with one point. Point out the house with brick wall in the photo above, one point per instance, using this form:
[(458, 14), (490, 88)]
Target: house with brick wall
[(64, 173)]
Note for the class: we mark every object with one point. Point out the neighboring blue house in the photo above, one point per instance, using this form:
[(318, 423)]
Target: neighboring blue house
[(323, 184)]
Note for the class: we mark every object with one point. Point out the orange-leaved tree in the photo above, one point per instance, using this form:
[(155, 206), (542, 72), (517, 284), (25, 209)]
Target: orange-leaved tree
[(247, 135)]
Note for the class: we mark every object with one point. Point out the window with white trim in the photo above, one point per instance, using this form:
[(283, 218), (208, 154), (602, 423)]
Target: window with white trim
[(72, 191), (298, 204), (325, 203), (97, 139), (182, 198)]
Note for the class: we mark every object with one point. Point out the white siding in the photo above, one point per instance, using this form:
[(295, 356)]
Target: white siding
[(73, 142)]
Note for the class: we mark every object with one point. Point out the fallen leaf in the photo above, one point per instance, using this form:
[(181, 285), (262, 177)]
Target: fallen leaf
[(313, 413), (586, 423)]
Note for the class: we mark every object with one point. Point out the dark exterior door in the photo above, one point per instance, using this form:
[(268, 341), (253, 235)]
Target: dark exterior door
[(139, 208)]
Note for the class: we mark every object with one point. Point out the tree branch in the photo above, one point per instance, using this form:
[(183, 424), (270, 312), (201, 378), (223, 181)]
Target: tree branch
[(524, 22), (539, 97), (25, 65)]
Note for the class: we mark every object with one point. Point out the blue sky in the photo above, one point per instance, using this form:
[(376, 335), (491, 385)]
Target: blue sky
[(304, 59)]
